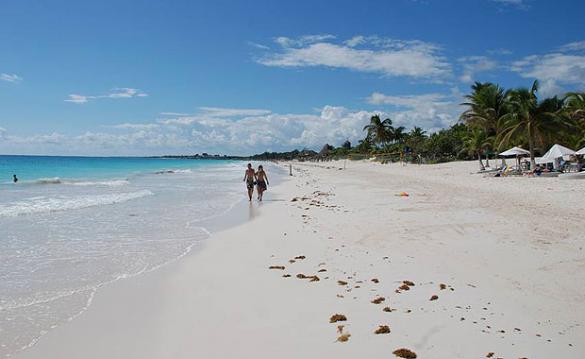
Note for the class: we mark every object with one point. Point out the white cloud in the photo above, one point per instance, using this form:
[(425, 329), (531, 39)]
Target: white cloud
[(79, 99), (554, 71), (500, 51), (474, 64), (230, 112), (173, 114), (14, 78), (521, 4), (136, 126), (116, 93), (573, 46), (432, 111), (388, 57), (203, 133)]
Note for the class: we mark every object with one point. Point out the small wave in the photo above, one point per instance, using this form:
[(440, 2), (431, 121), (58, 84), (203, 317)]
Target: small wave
[(173, 171), (112, 183), (57, 180), (43, 204), (54, 180)]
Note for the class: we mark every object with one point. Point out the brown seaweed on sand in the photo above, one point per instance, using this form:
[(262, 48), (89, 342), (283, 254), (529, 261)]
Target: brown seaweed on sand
[(343, 337), (340, 329), (434, 297), (404, 287), (300, 257), (378, 300), (404, 353), (382, 329), (313, 278), (489, 355), (337, 318), (408, 283), (276, 267), (301, 276), (322, 270), (341, 282), (442, 286), (375, 280), (286, 275), (388, 309)]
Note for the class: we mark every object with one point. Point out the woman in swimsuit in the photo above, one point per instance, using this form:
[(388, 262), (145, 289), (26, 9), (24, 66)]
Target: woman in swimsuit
[(250, 179), (262, 181)]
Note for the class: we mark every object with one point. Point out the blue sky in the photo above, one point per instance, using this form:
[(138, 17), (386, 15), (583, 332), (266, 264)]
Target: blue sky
[(169, 77)]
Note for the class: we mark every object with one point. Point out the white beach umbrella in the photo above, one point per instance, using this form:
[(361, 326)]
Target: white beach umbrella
[(558, 151), (581, 151), (515, 151)]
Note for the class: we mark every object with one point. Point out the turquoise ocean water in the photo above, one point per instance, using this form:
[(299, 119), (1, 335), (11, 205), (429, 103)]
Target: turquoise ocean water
[(74, 224)]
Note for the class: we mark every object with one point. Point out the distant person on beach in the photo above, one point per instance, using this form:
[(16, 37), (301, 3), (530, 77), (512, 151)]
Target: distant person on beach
[(262, 181), (250, 179), (14, 178)]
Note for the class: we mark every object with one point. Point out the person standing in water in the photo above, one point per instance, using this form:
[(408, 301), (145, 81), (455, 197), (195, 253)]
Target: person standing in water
[(250, 179), (14, 178), (262, 181)]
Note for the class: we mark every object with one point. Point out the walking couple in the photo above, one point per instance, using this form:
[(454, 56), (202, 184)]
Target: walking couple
[(258, 178)]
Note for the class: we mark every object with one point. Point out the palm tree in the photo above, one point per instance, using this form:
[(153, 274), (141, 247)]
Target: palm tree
[(575, 105), (416, 138), (486, 104), (398, 134), (378, 131), (475, 144), (529, 119), (575, 111)]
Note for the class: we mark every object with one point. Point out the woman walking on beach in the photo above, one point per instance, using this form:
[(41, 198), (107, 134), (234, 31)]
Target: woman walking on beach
[(262, 181), (250, 179)]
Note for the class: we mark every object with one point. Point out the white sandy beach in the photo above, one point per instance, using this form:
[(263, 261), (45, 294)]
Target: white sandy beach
[(508, 250)]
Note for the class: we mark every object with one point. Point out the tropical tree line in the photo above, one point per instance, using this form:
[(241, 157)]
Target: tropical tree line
[(494, 119)]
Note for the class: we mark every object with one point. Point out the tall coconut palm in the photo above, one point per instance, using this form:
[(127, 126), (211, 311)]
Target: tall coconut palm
[(379, 132), (475, 144), (398, 134), (485, 105), (575, 111), (530, 119), (575, 105), (416, 138)]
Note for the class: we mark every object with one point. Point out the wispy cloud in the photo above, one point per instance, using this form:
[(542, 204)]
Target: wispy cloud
[(232, 112), (388, 57), (136, 126), (573, 46), (116, 93), (473, 65), (520, 4), (14, 78), (555, 70)]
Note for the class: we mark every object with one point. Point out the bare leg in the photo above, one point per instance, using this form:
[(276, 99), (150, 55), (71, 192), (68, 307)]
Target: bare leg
[(250, 192)]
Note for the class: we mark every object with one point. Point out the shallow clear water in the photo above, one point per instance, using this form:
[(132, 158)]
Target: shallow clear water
[(71, 225)]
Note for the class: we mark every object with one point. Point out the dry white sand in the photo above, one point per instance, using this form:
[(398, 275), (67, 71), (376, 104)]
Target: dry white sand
[(508, 250)]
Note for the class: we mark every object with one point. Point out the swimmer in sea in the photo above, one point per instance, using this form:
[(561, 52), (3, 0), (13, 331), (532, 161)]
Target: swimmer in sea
[(262, 182), (250, 179), (14, 178)]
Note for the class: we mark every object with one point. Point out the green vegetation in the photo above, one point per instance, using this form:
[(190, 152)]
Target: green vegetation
[(493, 120)]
